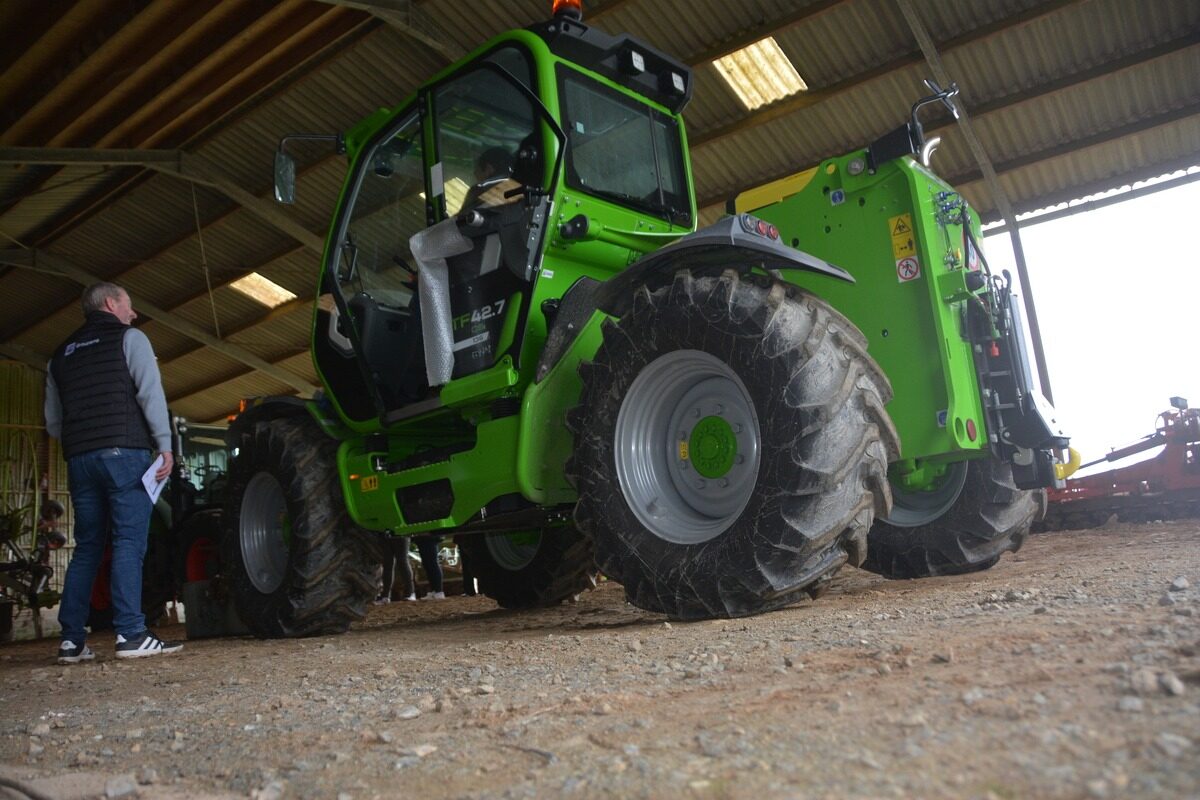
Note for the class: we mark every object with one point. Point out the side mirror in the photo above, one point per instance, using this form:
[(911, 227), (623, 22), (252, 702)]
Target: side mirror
[(285, 178)]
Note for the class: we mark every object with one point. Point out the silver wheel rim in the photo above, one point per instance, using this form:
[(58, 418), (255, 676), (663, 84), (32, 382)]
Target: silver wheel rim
[(261, 532), (662, 410), (913, 509), (513, 551)]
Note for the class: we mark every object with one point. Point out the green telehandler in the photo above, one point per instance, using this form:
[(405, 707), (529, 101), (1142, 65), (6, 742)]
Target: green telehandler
[(526, 343)]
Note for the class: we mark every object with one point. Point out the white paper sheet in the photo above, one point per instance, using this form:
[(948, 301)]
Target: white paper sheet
[(154, 488)]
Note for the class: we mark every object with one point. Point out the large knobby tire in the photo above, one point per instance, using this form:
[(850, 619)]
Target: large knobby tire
[(731, 446), (296, 564), (989, 517), (532, 569)]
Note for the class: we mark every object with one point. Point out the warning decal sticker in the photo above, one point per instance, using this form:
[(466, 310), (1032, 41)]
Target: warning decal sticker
[(908, 269), (903, 243)]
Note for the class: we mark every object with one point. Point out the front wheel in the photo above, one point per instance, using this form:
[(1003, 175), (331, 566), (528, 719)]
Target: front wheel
[(975, 515), (731, 446), (541, 567), (296, 563)]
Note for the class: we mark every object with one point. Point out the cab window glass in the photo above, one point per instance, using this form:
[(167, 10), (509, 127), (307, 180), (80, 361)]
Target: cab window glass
[(487, 137), (389, 207), (622, 150)]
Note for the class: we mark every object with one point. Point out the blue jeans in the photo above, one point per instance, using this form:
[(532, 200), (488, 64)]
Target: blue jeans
[(108, 495)]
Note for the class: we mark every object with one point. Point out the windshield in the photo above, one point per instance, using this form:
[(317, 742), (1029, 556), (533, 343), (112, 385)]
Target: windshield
[(622, 150)]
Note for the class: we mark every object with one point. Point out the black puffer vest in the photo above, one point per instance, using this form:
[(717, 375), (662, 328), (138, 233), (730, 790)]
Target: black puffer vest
[(99, 398)]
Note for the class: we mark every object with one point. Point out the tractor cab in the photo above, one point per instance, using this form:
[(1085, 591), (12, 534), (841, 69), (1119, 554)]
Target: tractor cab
[(434, 270)]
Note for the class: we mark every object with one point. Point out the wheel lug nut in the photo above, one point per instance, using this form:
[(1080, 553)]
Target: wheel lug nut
[(720, 409), (701, 484), (737, 427), (723, 482), (697, 413), (740, 459)]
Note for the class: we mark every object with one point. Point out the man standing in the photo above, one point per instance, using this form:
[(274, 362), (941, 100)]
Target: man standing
[(105, 403)]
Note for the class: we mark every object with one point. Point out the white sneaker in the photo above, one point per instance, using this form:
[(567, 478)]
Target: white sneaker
[(71, 653), (145, 645), (381, 601), (411, 598), (435, 596)]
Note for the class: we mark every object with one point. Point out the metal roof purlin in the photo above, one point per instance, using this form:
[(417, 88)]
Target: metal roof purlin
[(33, 259), (188, 166), (408, 20), (797, 102), (24, 354), (1171, 47)]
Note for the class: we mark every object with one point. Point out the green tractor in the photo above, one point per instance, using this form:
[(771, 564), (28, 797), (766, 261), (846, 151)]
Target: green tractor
[(525, 343)]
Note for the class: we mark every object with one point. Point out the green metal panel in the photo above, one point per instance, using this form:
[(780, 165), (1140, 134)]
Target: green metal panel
[(545, 444), (478, 476), (887, 230)]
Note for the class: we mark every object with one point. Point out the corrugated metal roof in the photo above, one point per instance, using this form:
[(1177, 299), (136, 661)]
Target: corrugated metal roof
[(1064, 95)]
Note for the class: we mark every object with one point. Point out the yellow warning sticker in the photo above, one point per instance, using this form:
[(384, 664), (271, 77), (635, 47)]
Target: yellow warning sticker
[(369, 483), (904, 244), (683, 450)]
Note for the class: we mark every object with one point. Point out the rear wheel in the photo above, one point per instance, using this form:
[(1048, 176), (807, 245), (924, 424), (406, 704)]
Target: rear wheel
[(731, 446), (975, 515), (296, 564), (197, 551), (532, 568)]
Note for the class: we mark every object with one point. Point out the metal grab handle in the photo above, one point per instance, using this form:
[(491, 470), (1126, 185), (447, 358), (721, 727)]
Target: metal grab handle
[(944, 96)]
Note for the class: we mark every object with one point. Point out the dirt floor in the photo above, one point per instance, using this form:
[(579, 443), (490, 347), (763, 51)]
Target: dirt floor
[(1069, 670)]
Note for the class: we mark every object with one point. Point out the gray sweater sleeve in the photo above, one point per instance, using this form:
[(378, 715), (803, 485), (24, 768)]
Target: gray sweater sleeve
[(53, 406), (143, 366)]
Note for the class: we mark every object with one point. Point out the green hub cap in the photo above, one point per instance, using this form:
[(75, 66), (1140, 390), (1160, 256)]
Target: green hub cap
[(712, 447), (686, 447), (912, 509)]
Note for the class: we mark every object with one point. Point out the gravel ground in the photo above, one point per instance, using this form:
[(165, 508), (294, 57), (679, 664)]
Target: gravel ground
[(1071, 670)]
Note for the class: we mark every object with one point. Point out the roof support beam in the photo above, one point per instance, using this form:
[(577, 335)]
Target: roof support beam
[(281, 310), (803, 100), (188, 166), (748, 36), (989, 174), (1102, 202), (1074, 193), (408, 20), (1001, 104), (23, 354), (34, 259), (1082, 143), (194, 391)]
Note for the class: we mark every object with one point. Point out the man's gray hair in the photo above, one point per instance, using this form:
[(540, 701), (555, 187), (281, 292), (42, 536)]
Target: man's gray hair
[(95, 295)]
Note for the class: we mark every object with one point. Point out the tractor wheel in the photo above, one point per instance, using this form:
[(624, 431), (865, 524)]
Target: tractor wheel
[(530, 569), (731, 446), (965, 525), (197, 551), (295, 563)]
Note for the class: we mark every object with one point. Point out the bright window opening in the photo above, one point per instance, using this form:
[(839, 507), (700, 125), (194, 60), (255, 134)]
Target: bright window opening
[(265, 291), (760, 73)]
